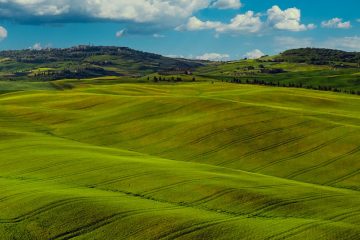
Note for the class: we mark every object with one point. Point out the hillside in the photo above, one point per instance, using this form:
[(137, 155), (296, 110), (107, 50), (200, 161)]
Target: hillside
[(103, 160), (87, 61), (318, 69), (319, 56)]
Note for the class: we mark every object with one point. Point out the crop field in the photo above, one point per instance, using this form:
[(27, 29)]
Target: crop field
[(178, 161)]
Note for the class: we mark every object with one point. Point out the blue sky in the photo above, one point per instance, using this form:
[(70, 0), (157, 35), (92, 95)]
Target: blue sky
[(207, 29)]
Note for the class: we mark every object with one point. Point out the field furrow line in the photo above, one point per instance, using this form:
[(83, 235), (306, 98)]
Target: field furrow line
[(279, 144), (209, 123), (86, 229), (239, 126), (89, 106), (276, 205), (246, 138), (324, 164), (300, 229), (212, 197), (88, 171), (149, 114), (81, 173), (51, 165), (122, 178), (202, 138), (162, 128), (196, 227), (3, 199), (170, 186), (300, 154), (340, 179), (41, 210)]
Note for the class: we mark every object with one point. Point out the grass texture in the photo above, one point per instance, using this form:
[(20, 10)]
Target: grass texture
[(179, 161)]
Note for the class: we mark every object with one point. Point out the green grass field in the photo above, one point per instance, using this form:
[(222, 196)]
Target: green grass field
[(178, 161)]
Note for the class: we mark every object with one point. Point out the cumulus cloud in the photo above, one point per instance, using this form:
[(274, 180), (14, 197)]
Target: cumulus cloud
[(3, 33), (255, 54), (213, 57), (195, 24), (150, 16), (250, 22), (311, 26), (205, 56), (336, 23), (227, 4), (241, 23), (289, 19), (162, 13), (120, 34), (37, 46)]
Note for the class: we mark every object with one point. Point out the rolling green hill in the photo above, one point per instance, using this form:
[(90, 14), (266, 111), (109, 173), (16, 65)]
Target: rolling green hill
[(86, 62), (344, 77), (319, 56), (101, 160), (320, 69)]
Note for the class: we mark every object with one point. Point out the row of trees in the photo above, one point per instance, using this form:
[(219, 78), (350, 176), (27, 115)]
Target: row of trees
[(294, 85), (169, 79)]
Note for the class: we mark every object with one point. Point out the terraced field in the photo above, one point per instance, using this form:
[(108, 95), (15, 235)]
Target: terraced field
[(179, 161)]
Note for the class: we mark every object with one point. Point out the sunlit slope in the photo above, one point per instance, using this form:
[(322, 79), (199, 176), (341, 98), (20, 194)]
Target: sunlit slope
[(55, 188), (165, 162), (290, 133)]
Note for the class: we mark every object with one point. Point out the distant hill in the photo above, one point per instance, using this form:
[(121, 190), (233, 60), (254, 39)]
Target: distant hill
[(318, 56), (88, 61), (321, 69)]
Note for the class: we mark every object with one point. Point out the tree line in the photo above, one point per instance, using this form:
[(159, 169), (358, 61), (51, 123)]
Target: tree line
[(169, 79), (294, 85)]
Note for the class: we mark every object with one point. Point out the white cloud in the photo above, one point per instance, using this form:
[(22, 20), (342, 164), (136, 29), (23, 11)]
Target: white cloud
[(195, 24), (156, 35), (344, 43), (154, 13), (149, 15), (283, 43), (205, 56), (213, 57), (227, 4), (250, 22), (241, 23), (143, 10), (37, 46), (174, 56), (3, 33), (289, 19), (120, 34), (336, 23), (255, 54), (311, 26)]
